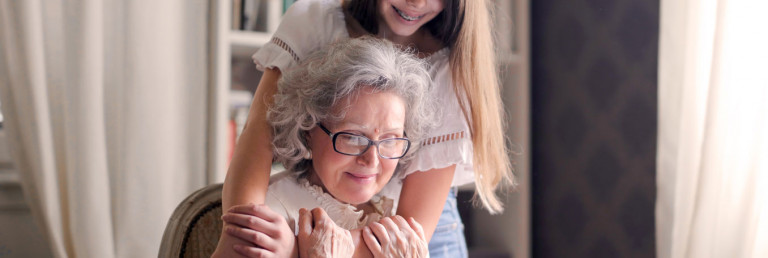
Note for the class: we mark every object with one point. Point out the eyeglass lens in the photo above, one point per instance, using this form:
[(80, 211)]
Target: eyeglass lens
[(356, 144)]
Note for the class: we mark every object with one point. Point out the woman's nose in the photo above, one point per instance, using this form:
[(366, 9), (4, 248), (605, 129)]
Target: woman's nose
[(369, 158)]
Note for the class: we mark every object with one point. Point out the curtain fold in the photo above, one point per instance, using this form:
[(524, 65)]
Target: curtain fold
[(712, 160), (105, 107)]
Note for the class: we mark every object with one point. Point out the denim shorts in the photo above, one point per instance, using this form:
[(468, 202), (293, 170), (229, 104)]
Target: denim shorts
[(448, 239)]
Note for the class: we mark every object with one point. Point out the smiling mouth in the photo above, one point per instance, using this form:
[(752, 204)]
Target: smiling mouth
[(405, 16), (362, 176)]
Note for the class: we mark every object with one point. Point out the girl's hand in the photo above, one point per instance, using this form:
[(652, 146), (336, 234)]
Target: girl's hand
[(325, 238), (266, 231), (396, 238)]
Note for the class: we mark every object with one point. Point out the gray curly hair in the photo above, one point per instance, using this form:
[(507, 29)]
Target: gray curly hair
[(308, 93)]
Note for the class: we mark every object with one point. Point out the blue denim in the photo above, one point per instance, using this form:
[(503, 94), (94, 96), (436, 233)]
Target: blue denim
[(448, 239)]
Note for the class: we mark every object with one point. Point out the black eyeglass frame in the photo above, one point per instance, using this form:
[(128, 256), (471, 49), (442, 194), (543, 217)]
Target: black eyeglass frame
[(370, 143)]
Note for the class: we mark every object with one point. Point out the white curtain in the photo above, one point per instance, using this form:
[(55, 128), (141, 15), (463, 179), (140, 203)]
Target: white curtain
[(105, 107), (712, 163)]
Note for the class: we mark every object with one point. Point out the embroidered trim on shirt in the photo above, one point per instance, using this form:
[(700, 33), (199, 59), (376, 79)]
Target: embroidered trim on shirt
[(346, 215), (280, 43), (443, 138)]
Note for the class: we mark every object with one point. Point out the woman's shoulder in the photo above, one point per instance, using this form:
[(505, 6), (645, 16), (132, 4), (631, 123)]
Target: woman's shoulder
[(283, 183), (287, 193)]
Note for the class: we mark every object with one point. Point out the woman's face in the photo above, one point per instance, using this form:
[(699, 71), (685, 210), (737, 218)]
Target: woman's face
[(355, 179), (404, 17)]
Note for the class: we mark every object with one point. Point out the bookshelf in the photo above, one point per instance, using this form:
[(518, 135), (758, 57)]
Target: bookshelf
[(240, 28)]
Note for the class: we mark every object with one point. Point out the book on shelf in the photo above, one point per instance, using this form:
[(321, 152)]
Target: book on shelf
[(251, 14), (286, 4), (237, 10)]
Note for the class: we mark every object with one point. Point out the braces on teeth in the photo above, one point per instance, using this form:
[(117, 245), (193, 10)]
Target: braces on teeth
[(405, 16)]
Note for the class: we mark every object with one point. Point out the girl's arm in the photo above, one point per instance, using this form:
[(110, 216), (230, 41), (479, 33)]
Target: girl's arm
[(248, 175), (423, 197)]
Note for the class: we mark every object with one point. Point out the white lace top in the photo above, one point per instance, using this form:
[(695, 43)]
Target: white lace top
[(310, 24), (287, 194)]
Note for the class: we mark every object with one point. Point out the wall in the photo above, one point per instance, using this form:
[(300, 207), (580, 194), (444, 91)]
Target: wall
[(594, 71)]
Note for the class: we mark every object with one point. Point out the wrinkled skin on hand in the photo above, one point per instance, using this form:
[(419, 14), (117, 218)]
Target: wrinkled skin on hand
[(394, 237), (324, 238)]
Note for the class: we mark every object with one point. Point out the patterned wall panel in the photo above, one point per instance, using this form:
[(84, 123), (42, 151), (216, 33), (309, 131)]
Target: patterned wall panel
[(594, 127)]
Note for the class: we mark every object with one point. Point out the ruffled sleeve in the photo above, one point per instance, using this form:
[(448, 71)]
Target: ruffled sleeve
[(306, 26), (449, 143)]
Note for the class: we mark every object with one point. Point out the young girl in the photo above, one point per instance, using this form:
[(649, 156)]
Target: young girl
[(454, 36)]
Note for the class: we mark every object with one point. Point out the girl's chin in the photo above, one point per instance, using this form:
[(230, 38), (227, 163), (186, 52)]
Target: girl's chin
[(405, 32)]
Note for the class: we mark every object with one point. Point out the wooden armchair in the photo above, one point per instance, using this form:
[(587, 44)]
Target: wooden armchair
[(194, 228)]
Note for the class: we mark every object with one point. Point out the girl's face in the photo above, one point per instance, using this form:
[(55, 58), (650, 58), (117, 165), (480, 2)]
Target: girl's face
[(355, 179), (402, 18)]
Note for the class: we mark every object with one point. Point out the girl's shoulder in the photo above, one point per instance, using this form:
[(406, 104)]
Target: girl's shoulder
[(439, 57), (305, 27), (440, 69)]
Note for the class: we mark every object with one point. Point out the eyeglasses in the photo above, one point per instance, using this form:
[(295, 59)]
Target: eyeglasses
[(355, 144)]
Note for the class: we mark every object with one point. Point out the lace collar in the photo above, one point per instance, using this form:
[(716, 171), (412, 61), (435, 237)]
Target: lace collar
[(346, 215)]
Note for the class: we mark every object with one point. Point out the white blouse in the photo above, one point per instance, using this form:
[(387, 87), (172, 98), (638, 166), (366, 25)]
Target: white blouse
[(310, 24), (287, 194)]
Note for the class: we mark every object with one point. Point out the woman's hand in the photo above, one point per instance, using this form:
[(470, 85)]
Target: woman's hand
[(325, 238), (267, 232), (396, 238)]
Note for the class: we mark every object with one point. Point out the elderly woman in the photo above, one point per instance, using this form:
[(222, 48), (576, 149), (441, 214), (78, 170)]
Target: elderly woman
[(343, 120)]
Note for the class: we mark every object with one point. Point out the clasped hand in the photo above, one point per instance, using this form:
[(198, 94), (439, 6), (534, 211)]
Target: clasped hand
[(269, 235)]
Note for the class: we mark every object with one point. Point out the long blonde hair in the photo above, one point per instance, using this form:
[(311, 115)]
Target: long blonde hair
[(473, 65), (465, 26)]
